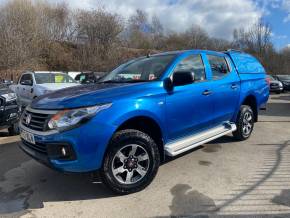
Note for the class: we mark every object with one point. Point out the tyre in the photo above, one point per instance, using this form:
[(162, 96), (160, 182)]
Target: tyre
[(13, 129), (131, 162), (245, 123)]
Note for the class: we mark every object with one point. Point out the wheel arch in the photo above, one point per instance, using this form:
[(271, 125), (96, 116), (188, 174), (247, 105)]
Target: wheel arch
[(147, 125), (251, 100)]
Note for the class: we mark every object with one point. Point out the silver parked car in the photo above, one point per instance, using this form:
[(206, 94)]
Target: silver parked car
[(275, 85), (32, 84)]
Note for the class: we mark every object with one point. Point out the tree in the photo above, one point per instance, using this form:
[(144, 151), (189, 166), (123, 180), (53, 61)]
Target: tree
[(255, 40)]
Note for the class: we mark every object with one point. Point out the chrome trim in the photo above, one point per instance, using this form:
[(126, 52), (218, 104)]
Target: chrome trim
[(188, 143), (49, 112), (35, 132)]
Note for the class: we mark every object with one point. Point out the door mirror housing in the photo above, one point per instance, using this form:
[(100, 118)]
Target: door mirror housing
[(168, 84), (27, 83), (183, 78)]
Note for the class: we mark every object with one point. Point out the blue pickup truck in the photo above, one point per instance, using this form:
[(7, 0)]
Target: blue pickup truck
[(146, 109)]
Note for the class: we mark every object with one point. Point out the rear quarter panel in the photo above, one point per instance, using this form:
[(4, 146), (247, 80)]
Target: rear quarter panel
[(253, 78), (256, 85)]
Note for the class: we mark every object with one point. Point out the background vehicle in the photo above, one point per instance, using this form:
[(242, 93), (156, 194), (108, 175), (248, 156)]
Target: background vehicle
[(86, 78), (73, 74), (9, 110), (285, 79), (275, 85), (6, 82), (32, 84), (145, 109)]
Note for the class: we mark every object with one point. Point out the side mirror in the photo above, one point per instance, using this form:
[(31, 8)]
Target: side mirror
[(27, 83), (168, 84), (183, 78)]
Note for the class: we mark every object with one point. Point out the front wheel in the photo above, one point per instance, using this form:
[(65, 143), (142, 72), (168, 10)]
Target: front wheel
[(245, 123), (131, 162)]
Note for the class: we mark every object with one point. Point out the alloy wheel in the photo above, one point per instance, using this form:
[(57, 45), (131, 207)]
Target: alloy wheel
[(130, 164)]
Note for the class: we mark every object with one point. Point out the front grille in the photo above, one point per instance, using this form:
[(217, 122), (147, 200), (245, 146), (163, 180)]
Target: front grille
[(38, 147), (38, 121), (274, 85)]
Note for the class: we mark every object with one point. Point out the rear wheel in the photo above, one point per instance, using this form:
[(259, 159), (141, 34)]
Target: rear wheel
[(245, 123), (131, 162)]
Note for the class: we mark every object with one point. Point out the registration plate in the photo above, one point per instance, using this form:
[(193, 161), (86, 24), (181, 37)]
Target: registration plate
[(27, 137)]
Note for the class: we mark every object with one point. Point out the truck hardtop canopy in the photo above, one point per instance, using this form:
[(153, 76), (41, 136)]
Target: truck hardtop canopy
[(245, 63)]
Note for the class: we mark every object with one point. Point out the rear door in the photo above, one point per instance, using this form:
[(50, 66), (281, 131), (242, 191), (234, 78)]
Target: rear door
[(225, 88), (188, 109)]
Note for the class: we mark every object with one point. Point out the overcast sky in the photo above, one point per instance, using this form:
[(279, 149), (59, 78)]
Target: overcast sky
[(218, 17)]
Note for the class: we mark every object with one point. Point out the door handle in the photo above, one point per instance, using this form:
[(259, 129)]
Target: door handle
[(234, 86), (207, 92)]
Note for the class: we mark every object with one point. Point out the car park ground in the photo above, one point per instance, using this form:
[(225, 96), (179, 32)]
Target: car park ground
[(223, 178)]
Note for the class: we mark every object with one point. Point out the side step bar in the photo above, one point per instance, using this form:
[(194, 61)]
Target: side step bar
[(188, 143)]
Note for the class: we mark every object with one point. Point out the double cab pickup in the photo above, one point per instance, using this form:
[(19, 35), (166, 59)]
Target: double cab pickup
[(151, 107)]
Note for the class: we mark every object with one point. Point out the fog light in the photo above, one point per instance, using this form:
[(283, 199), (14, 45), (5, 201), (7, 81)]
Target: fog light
[(63, 151)]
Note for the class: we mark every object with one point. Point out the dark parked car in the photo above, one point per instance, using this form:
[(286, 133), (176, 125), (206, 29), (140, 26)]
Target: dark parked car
[(7, 82), (9, 110), (275, 85), (285, 79)]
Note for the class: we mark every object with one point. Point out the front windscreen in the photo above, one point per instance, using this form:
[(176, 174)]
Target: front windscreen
[(42, 78), (139, 70)]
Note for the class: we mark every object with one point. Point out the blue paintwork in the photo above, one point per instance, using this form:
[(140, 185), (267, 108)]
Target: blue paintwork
[(182, 112)]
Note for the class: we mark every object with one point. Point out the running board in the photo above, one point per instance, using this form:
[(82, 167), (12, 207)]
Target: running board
[(188, 143)]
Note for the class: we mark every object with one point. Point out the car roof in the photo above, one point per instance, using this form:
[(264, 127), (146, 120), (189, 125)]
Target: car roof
[(49, 72), (187, 51)]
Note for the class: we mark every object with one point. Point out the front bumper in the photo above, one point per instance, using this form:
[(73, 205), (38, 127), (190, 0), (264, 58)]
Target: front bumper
[(87, 145), (276, 88)]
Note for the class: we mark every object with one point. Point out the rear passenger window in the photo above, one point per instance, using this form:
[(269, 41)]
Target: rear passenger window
[(194, 64), (219, 66)]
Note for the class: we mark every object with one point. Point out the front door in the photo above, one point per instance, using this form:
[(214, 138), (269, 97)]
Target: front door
[(189, 107), (24, 89)]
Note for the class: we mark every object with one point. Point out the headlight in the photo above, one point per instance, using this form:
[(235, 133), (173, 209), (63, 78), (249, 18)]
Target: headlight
[(280, 84), (69, 118), (9, 97)]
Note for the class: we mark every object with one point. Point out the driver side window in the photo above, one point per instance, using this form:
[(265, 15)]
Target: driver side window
[(25, 78), (194, 64)]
